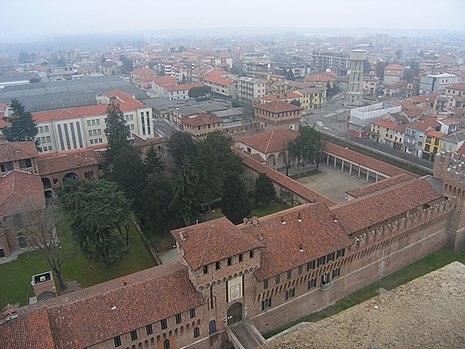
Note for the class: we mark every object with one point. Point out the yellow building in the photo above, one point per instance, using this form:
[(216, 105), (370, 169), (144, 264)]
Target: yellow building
[(432, 145), (387, 132), (312, 98)]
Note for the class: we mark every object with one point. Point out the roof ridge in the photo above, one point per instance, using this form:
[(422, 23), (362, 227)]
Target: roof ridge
[(269, 141), (206, 243)]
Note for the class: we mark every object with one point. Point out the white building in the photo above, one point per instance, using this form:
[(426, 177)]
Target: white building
[(250, 89), (437, 82), (355, 88), (84, 127)]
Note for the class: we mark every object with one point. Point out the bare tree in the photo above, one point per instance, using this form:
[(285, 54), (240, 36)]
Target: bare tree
[(39, 229)]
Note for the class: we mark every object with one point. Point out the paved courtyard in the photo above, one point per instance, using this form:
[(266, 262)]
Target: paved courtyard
[(331, 183)]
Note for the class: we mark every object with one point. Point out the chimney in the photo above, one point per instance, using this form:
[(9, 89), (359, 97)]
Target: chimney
[(301, 248), (299, 219), (44, 286), (283, 221), (124, 281)]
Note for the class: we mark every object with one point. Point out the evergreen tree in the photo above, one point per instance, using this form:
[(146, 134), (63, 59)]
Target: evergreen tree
[(210, 175), (22, 126), (181, 148), (308, 145), (101, 218), (235, 204), (117, 134), (264, 190)]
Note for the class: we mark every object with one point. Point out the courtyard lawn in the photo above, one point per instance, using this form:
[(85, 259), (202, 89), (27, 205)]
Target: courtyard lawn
[(424, 266), (258, 211), (15, 281)]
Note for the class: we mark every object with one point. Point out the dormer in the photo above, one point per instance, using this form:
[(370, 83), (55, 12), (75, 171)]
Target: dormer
[(215, 251)]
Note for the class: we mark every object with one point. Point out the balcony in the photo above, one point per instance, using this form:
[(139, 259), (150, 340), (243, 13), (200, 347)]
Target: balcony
[(327, 286)]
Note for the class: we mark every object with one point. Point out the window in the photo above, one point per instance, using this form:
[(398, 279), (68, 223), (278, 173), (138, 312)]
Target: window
[(164, 324), (251, 254), (290, 293), (166, 344), (217, 265), (340, 253), (6, 166), (311, 283), (178, 318), (192, 313), (240, 257), (265, 283), (229, 261), (310, 265), (266, 303), (278, 279), (205, 269), (299, 269), (149, 329), (336, 272), (330, 257), (324, 278), (212, 327), (321, 261), (196, 332), (289, 274), (25, 163), (88, 174), (134, 335), (117, 341)]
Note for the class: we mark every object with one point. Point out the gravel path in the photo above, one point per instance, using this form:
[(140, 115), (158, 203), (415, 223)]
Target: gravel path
[(428, 312)]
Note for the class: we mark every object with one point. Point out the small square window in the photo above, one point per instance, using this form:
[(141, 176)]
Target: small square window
[(178, 318), (134, 335), (192, 313), (149, 329), (278, 279), (164, 324)]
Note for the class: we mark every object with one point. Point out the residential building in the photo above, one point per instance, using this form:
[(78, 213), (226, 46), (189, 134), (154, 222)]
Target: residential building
[(320, 80), (278, 114), (285, 97), (370, 86), (249, 90), (312, 97), (449, 125), (21, 195), (84, 127), (452, 142), (415, 134), (221, 83), (18, 156), (139, 74), (388, 132), (437, 82), (456, 94), (175, 92), (395, 89), (393, 73), (329, 60), (160, 83), (200, 125), (360, 119), (432, 144)]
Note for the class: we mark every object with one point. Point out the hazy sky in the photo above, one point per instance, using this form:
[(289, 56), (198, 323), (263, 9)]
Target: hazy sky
[(26, 18)]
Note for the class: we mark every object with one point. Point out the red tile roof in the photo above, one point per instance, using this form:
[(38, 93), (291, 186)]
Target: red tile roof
[(201, 120), (126, 103), (435, 134), (28, 331), (68, 162), (431, 97), (376, 165), (14, 151), (390, 125), (271, 141), (280, 97), (380, 185), (20, 192), (461, 150), (277, 107), (101, 312), (423, 125), (370, 210), (212, 241), (164, 80), (393, 73), (460, 87), (183, 87), (394, 67), (143, 72), (319, 77), (288, 183), (317, 234), (217, 77)]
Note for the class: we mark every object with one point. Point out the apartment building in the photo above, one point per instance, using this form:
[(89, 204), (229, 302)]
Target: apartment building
[(200, 125), (62, 130), (250, 90), (278, 114), (388, 132), (393, 73), (221, 83), (437, 82)]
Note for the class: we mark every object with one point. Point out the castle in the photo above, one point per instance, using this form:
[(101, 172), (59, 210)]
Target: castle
[(263, 273)]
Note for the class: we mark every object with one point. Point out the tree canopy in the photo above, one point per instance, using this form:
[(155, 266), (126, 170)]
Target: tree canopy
[(181, 147), (199, 92), (101, 218), (264, 191), (307, 146), (235, 203), (22, 126)]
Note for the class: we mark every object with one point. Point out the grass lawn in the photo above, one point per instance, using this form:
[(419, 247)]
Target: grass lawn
[(15, 283), (425, 265), (258, 211)]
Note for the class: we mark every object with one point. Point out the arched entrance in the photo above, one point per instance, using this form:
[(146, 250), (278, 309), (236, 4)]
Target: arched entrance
[(71, 175), (234, 313)]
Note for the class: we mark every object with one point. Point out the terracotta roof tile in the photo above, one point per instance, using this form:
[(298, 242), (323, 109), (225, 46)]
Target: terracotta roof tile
[(66, 162), (183, 87), (319, 77), (317, 234), (394, 66), (271, 141), (217, 77), (363, 160), (164, 80), (28, 331), (201, 120), (277, 107), (370, 210), (20, 191), (270, 98), (435, 134), (284, 181), (460, 87), (14, 151), (390, 125), (380, 185), (98, 313), (212, 241)]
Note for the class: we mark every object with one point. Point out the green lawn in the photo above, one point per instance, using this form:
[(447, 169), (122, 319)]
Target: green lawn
[(258, 211), (425, 265), (15, 281)]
